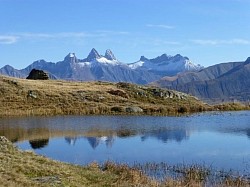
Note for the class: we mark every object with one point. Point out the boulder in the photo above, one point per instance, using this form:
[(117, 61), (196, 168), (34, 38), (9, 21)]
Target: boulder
[(134, 109), (32, 94), (36, 74)]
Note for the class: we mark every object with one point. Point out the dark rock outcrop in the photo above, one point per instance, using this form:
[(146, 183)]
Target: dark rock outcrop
[(36, 74)]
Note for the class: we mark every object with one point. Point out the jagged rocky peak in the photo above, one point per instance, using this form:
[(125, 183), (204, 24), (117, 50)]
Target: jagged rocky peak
[(71, 57), (159, 59), (109, 55), (93, 55), (179, 57), (143, 58), (247, 61)]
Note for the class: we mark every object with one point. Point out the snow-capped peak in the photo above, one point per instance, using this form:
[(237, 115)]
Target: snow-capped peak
[(109, 55), (93, 55), (71, 57), (95, 58), (166, 63)]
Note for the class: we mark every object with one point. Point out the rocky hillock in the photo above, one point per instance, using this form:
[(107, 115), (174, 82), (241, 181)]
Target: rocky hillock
[(52, 97)]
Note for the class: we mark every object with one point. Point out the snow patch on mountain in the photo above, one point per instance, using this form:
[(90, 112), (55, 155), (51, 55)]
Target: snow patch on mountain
[(94, 58), (109, 55), (165, 63)]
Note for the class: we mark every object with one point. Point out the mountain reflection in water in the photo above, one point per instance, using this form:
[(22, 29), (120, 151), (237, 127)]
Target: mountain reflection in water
[(220, 139), (165, 136)]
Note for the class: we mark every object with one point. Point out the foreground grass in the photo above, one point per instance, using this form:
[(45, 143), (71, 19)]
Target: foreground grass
[(22, 168), (21, 97), (18, 168)]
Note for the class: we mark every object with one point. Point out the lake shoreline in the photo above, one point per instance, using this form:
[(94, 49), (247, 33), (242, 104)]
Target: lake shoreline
[(24, 168)]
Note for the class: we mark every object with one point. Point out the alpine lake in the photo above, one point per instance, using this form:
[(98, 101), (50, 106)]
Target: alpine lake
[(215, 139)]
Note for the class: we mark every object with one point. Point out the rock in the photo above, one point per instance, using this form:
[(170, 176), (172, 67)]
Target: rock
[(5, 144), (124, 85), (120, 93), (38, 75), (48, 180), (4, 139), (32, 94), (117, 109), (134, 109)]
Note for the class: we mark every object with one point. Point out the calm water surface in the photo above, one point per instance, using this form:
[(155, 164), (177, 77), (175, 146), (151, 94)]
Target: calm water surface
[(220, 140)]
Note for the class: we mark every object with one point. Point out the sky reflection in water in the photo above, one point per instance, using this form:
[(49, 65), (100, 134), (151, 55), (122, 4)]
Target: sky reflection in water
[(218, 139)]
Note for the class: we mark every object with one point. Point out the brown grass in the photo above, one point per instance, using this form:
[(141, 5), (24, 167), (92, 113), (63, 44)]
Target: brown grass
[(18, 168), (24, 168), (232, 106), (21, 97)]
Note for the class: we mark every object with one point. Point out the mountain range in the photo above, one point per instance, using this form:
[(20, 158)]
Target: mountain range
[(107, 67), (218, 83), (225, 82)]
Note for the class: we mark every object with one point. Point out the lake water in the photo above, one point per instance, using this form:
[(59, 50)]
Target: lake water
[(220, 140)]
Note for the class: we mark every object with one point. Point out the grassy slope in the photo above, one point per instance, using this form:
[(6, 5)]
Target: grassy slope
[(49, 97), (18, 168)]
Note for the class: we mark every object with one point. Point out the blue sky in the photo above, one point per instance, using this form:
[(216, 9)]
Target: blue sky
[(206, 31)]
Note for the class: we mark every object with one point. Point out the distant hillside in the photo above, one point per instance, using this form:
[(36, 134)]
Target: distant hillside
[(53, 97), (108, 68), (219, 83)]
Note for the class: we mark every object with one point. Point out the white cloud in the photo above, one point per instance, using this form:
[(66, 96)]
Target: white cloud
[(236, 41), (112, 32), (14, 37), (163, 42), (161, 26), (5, 39), (205, 42), (52, 35), (240, 41)]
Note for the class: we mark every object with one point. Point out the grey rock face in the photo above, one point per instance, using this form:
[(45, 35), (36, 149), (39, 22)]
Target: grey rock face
[(10, 71), (71, 58), (93, 55), (109, 55)]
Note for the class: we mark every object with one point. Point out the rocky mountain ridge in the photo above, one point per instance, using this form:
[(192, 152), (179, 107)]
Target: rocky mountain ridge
[(108, 68), (226, 82), (166, 64)]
